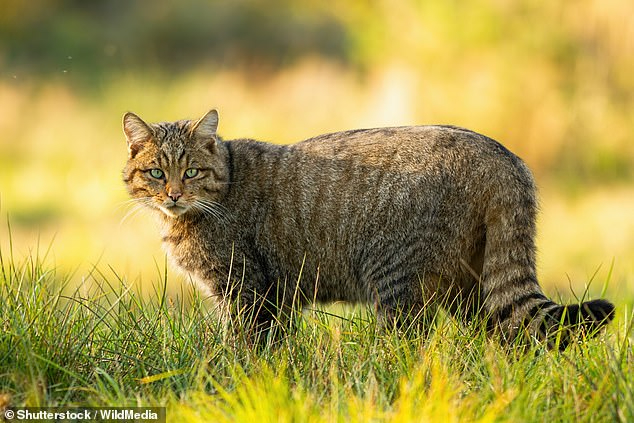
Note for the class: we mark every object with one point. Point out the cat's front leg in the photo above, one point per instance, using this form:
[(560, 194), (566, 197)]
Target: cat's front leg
[(259, 312)]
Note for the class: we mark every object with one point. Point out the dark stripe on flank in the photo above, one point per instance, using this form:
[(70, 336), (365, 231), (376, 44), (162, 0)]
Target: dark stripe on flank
[(390, 291), (534, 311)]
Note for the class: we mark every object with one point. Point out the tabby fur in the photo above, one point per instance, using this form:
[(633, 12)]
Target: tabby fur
[(406, 218)]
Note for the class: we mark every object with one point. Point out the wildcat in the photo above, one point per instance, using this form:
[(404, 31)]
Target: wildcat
[(406, 218)]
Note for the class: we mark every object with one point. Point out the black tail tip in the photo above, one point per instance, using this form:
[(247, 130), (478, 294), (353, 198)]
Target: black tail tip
[(588, 317), (601, 311), (591, 314)]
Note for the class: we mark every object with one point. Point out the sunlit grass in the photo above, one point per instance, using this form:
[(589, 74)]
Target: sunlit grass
[(90, 315), (105, 344)]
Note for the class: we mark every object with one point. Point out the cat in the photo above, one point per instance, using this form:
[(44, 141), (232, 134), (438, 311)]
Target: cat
[(405, 218)]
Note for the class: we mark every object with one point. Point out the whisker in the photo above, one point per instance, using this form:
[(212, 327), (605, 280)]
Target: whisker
[(217, 206), (213, 209), (127, 203), (209, 211), (136, 205), (133, 211)]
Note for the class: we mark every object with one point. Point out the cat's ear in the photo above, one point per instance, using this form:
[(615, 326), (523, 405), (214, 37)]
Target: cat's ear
[(137, 133), (205, 129)]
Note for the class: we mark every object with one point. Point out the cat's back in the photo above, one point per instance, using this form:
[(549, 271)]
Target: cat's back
[(403, 144), (437, 154), (410, 150)]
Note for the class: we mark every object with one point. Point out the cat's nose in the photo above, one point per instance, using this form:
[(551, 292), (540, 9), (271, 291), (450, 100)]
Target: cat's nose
[(175, 195)]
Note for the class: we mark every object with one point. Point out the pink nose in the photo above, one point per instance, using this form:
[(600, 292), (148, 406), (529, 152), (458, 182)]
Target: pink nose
[(175, 195)]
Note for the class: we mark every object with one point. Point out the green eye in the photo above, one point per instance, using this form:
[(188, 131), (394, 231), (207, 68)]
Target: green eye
[(191, 173), (156, 173)]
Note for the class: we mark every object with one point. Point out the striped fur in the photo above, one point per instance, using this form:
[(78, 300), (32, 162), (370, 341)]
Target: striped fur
[(407, 218)]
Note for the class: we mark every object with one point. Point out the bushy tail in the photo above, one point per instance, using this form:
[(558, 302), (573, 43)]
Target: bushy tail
[(513, 299), (558, 325)]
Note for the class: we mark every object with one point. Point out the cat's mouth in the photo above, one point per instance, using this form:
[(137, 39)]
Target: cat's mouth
[(174, 210)]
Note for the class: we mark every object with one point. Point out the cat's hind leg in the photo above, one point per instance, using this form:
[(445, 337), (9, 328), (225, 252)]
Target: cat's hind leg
[(402, 304)]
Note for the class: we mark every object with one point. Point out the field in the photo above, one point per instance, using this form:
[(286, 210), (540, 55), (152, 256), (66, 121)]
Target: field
[(92, 314), (103, 343)]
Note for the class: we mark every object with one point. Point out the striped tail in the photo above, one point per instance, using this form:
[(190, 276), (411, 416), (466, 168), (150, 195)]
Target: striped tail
[(513, 299)]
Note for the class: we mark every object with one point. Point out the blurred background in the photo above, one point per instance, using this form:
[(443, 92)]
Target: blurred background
[(553, 81)]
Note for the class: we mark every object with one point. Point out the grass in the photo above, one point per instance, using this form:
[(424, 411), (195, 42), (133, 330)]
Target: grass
[(97, 336), (74, 333), (104, 343)]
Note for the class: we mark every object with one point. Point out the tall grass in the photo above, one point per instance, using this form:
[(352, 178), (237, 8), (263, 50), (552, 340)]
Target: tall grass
[(547, 80), (105, 343)]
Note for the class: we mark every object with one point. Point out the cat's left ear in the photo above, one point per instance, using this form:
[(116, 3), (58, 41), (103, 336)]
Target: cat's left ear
[(137, 133), (205, 129)]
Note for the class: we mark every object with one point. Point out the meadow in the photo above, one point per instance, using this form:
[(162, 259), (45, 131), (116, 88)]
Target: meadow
[(103, 343), (93, 315)]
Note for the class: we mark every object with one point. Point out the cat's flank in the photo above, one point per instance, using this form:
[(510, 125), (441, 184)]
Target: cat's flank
[(407, 218)]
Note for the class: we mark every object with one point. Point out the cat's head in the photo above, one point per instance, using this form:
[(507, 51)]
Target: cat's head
[(175, 167)]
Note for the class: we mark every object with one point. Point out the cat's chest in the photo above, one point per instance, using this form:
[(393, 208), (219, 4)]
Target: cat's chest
[(193, 254)]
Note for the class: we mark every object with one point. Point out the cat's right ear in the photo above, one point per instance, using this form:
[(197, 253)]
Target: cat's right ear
[(136, 132), (205, 129)]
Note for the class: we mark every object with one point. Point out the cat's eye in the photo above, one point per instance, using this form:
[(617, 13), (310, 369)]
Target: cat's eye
[(156, 173), (191, 173)]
